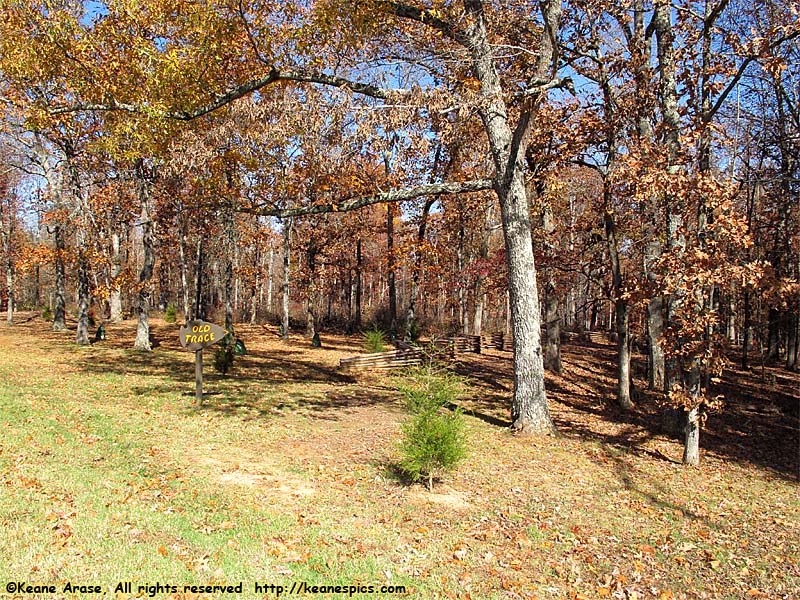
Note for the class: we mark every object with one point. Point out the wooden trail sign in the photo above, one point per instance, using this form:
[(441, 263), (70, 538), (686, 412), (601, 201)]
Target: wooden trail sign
[(195, 336)]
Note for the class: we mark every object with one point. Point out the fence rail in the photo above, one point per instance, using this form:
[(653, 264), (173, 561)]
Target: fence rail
[(402, 357)]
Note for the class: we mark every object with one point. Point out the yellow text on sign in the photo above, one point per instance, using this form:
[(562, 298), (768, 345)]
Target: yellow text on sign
[(203, 338)]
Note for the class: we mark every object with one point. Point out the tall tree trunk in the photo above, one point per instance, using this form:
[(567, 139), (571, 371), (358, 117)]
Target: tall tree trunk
[(529, 406), (84, 276), (691, 448), (115, 297), (529, 411), (10, 286), (390, 261), (230, 243), (411, 312), (359, 268), (199, 306), (311, 291), (287, 238), (747, 331), (552, 354), (311, 317), (662, 24), (731, 325), (7, 235), (623, 355), (641, 49), (478, 309), (37, 287), (84, 297), (270, 279), (655, 329), (254, 289), (791, 341), (621, 309), (773, 333), (462, 290), (478, 293), (229, 296), (184, 276), (569, 309), (254, 301), (60, 282), (143, 297)]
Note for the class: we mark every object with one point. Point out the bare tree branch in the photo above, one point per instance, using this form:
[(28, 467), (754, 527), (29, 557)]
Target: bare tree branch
[(237, 92), (426, 17), (410, 193), (740, 72), (539, 86)]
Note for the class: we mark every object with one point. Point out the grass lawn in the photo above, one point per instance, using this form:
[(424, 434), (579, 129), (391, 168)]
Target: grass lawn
[(108, 474)]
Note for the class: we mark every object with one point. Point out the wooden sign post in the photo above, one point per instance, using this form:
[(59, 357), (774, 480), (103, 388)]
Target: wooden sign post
[(195, 336)]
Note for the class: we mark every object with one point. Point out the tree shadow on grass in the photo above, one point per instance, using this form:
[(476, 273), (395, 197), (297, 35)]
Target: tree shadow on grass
[(345, 400), (254, 367), (648, 488), (757, 426), (760, 424)]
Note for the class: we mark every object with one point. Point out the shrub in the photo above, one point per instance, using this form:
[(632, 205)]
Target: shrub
[(433, 436), (223, 355), (426, 389), (47, 314), (171, 315), (413, 330), (374, 340), (433, 442)]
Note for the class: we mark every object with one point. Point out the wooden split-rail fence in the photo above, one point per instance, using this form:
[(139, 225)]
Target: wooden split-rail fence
[(406, 355), (459, 344), (401, 357), (599, 338)]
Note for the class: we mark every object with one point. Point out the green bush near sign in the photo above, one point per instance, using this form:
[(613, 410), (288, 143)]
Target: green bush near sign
[(223, 359), (224, 354)]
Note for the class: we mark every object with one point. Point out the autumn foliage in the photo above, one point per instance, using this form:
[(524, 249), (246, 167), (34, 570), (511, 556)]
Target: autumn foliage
[(433, 167)]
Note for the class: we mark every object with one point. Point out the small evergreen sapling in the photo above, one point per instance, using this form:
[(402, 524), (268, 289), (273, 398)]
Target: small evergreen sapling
[(433, 436), (171, 314), (374, 340), (433, 442)]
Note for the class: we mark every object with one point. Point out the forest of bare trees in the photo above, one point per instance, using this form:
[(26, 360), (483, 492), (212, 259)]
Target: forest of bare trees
[(432, 167)]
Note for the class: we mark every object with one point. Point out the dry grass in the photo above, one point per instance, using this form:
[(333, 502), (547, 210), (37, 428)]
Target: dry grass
[(109, 473)]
